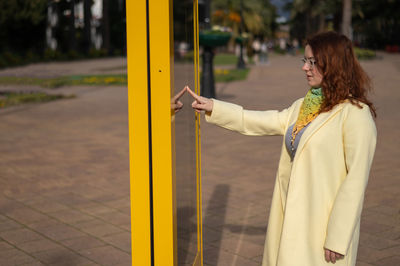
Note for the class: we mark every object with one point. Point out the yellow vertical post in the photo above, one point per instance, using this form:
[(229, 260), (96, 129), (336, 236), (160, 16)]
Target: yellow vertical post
[(152, 176), (161, 70), (199, 258), (139, 132)]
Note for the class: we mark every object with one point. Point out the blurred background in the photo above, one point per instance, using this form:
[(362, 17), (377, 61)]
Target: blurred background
[(64, 156), (48, 30)]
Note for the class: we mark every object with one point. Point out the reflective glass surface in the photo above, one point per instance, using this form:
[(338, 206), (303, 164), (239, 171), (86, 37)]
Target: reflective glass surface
[(185, 132)]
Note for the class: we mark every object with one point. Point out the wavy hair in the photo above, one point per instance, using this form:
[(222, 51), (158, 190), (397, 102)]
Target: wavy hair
[(343, 77)]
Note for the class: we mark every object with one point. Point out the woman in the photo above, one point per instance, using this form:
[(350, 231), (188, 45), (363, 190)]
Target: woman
[(329, 142)]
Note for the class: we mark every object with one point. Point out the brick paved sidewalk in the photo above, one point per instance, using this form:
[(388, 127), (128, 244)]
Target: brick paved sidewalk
[(64, 173)]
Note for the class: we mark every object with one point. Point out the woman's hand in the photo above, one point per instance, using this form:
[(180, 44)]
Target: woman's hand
[(332, 256), (201, 103), (176, 104)]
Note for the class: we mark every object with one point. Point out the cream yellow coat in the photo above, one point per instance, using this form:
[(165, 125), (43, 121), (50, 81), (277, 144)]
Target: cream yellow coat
[(318, 198)]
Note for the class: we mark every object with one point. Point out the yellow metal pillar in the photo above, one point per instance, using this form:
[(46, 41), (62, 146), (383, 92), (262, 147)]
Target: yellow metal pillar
[(138, 99), (151, 133)]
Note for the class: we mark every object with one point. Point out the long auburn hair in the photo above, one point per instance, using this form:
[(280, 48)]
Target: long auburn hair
[(343, 77)]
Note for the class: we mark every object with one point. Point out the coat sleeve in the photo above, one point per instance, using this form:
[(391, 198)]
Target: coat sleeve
[(254, 123), (359, 140)]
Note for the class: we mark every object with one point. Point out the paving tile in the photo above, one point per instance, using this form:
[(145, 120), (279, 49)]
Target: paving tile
[(62, 257), (34, 263), (70, 199), (372, 255), (45, 205), (395, 260), (5, 246), (123, 204), (239, 246), (15, 257), (18, 236), (70, 216), (93, 208), (361, 263), (115, 217), (42, 244), (107, 255), (220, 257), (376, 242), (26, 215), (57, 231), (120, 240), (85, 242), (373, 228), (9, 224), (98, 228)]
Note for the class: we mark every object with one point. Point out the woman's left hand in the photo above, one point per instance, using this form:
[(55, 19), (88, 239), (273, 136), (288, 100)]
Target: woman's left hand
[(332, 256)]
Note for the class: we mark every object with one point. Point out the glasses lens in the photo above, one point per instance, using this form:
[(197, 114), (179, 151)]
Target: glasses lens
[(310, 62)]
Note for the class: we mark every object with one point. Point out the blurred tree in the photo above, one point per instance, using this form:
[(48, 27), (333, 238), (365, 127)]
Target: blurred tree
[(106, 26), (87, 14), (117, 22), (370, 28), (376, 23), (311, 16), (346, 19), (71, 27), (21, 22), (258, 15)]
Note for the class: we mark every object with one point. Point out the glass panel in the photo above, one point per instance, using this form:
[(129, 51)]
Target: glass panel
[(185, 133)]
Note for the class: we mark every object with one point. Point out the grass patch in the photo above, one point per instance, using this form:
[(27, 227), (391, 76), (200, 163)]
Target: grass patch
[(221, 75), (364, 54), (66, 81), (16, 98), (225, 59), (229, 75)]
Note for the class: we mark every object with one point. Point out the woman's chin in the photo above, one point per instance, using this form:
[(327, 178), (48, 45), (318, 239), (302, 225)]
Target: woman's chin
[(313, 84)]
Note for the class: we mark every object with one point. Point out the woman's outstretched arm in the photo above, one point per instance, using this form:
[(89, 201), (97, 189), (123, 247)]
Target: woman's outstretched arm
[(234, 117)]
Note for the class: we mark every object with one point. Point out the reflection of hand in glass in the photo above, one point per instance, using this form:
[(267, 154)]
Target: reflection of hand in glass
[(177, 105), (201, 103)]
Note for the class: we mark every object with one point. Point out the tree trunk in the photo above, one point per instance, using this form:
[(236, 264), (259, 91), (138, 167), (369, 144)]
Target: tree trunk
[(72, 37), (321, 22), (87, 12), (346, 18), (106, 27)]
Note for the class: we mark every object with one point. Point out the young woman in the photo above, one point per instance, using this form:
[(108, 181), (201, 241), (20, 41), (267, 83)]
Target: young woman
[(328, 147)]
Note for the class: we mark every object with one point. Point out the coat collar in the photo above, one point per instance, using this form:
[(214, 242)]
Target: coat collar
[(315, 125)]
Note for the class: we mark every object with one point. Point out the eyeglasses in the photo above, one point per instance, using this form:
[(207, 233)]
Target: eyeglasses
[(310, 62)]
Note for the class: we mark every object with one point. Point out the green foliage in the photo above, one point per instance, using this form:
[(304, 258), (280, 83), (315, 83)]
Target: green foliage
[(23, 32), (22, 24), (16, 98), (258, 16), (377, 23), (93, 53)]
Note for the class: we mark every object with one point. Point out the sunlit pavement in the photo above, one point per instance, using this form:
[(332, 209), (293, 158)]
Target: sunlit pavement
[(64, 171)]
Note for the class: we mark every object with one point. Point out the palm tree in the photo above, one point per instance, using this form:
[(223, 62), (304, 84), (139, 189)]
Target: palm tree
[(257, 16)]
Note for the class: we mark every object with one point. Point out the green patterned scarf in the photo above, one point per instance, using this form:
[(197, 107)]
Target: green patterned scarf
[(308, 111)]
